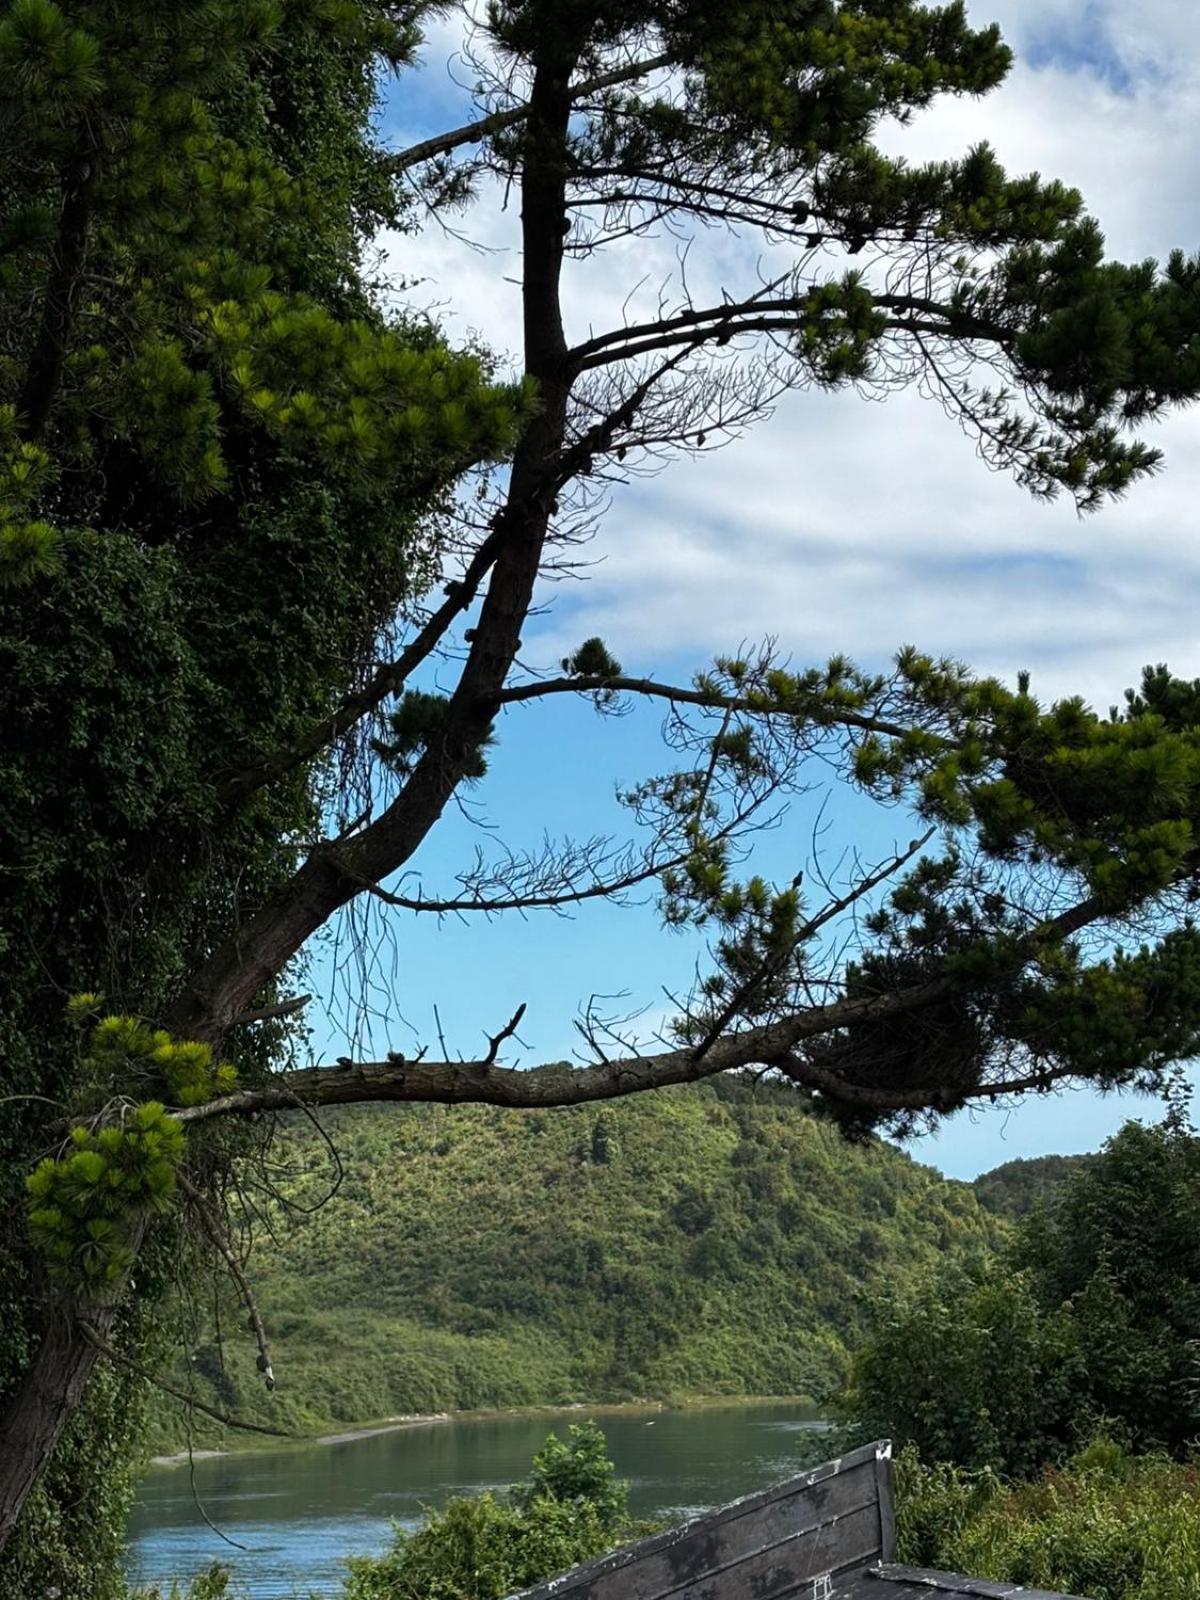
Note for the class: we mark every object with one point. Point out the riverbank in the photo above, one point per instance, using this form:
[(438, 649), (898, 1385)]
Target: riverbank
[(247, 1443), (180, 1458)]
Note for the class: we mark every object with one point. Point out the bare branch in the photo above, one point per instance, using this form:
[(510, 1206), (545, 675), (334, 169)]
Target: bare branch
[(462, 1082), (760, 314), (506, 1032), (839, 1088), (285, 1008), (550, 900), (105, 1349), (441, 1036), (776, 964), (216, 1234)]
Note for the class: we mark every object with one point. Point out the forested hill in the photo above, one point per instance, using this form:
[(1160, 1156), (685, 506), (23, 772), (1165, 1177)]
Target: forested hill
[(1011, 1190), (705, 1240)]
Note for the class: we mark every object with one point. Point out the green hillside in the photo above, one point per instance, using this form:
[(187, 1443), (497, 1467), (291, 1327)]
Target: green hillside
[(1012, 1189), (708, 1240)]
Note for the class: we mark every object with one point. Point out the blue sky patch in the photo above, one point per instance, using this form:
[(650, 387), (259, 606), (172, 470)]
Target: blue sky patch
[(1083, 46)]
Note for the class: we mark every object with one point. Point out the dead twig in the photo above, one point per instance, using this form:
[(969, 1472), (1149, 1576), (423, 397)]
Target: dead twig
[(506, 1032)]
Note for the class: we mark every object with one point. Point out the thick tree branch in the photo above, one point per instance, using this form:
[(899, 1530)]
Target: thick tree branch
[(462, 1082), (285, 1008), (461, 593), (482, 128), (228, 981), (388, 680), (482, 1083), (60, 306), (820, 715), (763, 314)]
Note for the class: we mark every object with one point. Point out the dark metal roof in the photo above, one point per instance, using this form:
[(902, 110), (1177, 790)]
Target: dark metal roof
[(829, 1534), (887, 1581), (785, 1543)]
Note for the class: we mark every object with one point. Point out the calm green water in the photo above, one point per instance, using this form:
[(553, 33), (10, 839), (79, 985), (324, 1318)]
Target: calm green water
[(299, 1513)]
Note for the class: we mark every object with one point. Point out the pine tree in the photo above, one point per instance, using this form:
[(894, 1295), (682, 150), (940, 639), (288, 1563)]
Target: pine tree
[(219, 468)]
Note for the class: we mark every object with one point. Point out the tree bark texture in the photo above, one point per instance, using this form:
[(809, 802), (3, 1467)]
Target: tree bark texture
[(43, 1404)]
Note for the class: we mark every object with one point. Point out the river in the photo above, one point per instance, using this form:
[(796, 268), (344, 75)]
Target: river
[(297, 1513)]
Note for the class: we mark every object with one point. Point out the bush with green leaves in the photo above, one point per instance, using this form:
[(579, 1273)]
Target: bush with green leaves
[(1106, 1524), (214, 1584), (571, 1508), (1089, 1317)]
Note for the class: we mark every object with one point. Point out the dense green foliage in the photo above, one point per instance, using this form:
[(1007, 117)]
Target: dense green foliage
[(1089, 1317), (1015, 1187), (571, 1508), (1105, 1524), (710, 1240), (221, 467), (198, 407)]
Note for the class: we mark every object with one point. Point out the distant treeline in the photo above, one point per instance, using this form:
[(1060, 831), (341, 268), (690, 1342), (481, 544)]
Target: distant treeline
[(1011, 1190)]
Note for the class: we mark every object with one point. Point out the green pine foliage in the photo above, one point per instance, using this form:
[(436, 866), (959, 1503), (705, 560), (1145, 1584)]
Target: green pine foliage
[(416, 724), (780, 102), (707, 1240), (83, 1204), (209, 318), (220, 470)]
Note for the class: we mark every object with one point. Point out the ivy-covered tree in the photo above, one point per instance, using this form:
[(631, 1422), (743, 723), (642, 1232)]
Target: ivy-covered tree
[(220, 474), (216, 455)]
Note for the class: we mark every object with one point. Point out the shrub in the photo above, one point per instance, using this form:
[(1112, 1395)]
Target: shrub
[(1087, 1319), (571, 1508), (214, 1584), (1106, 1524)]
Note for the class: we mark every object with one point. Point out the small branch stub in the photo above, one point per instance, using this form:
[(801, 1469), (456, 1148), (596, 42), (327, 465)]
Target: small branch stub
[(506, 1032)]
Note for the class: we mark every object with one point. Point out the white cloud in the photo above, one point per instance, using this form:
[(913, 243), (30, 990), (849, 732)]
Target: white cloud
[(842, 525)]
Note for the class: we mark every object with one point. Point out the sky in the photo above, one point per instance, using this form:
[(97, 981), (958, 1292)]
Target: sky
[(837, 525)]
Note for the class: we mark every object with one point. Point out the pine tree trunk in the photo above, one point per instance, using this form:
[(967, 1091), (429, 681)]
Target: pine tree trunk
[(42, 1405)]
